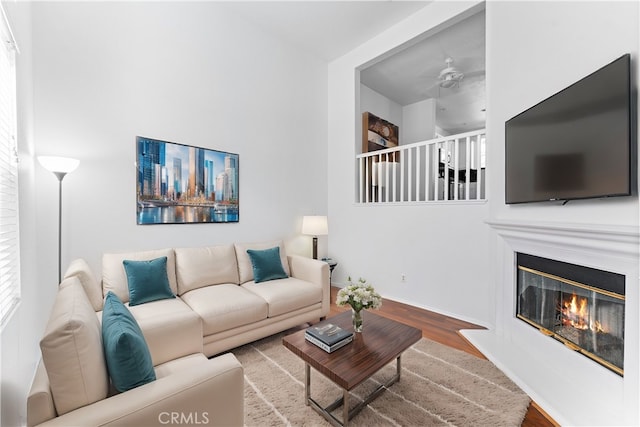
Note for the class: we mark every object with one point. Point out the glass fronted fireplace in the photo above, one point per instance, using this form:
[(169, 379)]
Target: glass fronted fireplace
[(580, 306)]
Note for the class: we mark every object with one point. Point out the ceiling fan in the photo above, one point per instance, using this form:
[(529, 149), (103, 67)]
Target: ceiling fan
[(450, 76)]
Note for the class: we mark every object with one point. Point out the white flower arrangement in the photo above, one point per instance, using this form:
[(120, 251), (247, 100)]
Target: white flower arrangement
[(359, 295)]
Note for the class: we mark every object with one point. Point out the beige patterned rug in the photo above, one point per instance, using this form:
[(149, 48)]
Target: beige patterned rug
[(439, 386)]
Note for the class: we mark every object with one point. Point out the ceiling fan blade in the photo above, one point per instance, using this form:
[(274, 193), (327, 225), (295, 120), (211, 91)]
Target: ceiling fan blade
[(432, 73), (476, 73)]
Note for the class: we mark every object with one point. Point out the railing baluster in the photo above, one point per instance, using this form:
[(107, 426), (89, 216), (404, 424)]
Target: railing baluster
[(370, 183), (456, 169), (418, 174), (474, 147), (422, 160), (436, 162), (360, 180), (467, 173), (366, 179), (394, 177), (409, 174), (436, 172), (446, 172), (418, 150), (378, 171), (433, 171), (481, 147), (476, 154), (402, 167), (427, 171), (478, 147), (387, 167)]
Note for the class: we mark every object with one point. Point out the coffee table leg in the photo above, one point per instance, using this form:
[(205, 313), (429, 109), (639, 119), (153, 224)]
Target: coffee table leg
[(344, 401), (345, 407), (307, 383)]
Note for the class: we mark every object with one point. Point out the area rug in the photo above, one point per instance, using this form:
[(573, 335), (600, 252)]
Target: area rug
[(439, 386)]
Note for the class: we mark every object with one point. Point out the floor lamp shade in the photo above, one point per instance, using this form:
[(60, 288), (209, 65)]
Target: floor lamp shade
[(315, 225), (60, 166)]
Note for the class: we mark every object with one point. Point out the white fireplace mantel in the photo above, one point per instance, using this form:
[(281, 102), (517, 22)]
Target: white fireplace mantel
[(571, 388), (612, 239)]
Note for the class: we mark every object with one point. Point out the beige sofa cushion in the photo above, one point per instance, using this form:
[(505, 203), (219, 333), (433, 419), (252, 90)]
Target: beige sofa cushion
[(170, 328), (72, 350), (286, 295), (177, 365), (225, 307), (80, 268), (114, 277), (245, 269), (198, 267)]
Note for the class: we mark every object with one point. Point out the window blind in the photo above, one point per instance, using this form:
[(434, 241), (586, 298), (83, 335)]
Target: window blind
[(9, 236)]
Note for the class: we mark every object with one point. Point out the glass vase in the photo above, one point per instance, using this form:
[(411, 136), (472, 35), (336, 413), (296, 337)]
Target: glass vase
[(356, 318)]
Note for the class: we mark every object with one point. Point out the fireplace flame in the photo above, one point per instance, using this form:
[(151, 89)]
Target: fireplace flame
[(575, 313)]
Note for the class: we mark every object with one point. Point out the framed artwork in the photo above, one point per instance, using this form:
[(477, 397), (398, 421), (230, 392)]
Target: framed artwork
[(182, 184)]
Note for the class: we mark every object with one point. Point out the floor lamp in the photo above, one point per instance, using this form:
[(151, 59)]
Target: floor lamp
[(60, 166), (315, 225)]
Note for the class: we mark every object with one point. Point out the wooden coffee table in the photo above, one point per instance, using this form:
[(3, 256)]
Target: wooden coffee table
[(381, 341)]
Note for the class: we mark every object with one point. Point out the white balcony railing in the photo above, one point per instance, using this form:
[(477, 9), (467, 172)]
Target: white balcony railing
[(447, 168)]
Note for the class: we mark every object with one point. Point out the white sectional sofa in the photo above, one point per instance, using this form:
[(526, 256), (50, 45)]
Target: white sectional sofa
[(217, 306)]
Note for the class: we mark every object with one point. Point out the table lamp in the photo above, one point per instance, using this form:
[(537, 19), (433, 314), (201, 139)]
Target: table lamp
[(315, 225)]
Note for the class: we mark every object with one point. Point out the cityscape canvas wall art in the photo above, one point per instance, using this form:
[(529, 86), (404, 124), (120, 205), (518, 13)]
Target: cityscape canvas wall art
[(180, 184)]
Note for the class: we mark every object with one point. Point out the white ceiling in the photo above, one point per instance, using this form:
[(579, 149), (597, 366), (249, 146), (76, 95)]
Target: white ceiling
[(330, 29), (411, 75), (327, 29)]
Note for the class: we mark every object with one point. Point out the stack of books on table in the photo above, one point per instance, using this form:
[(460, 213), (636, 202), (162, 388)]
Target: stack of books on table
[(328, 336)]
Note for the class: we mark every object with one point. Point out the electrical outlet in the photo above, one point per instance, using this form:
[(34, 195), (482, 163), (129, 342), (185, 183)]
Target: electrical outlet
[(403, 277)]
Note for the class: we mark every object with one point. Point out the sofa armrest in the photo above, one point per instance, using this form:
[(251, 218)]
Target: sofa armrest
[(314, 271), (40, 405), (210, 393)]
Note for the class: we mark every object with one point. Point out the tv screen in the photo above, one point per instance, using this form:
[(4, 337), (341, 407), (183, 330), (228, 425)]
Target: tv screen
[(575, 144)]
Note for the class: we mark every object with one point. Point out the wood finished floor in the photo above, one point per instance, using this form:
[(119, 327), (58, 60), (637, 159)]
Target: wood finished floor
[(444, 330)]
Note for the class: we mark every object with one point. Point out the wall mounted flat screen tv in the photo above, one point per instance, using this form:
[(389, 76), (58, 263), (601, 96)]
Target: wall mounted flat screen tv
[(575, 144)]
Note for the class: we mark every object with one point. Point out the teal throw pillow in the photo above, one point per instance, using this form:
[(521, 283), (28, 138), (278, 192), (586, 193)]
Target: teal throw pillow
[(147, 280), (266, 264), (125, 350)]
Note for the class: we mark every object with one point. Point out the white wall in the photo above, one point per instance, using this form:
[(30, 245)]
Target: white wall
[(381, 106), (535, 49), (419, 121), (439, 247), (191, 73)]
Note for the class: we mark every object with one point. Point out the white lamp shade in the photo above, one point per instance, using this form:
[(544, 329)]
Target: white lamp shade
[(385, 170), (315, 225), (59, 164)]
